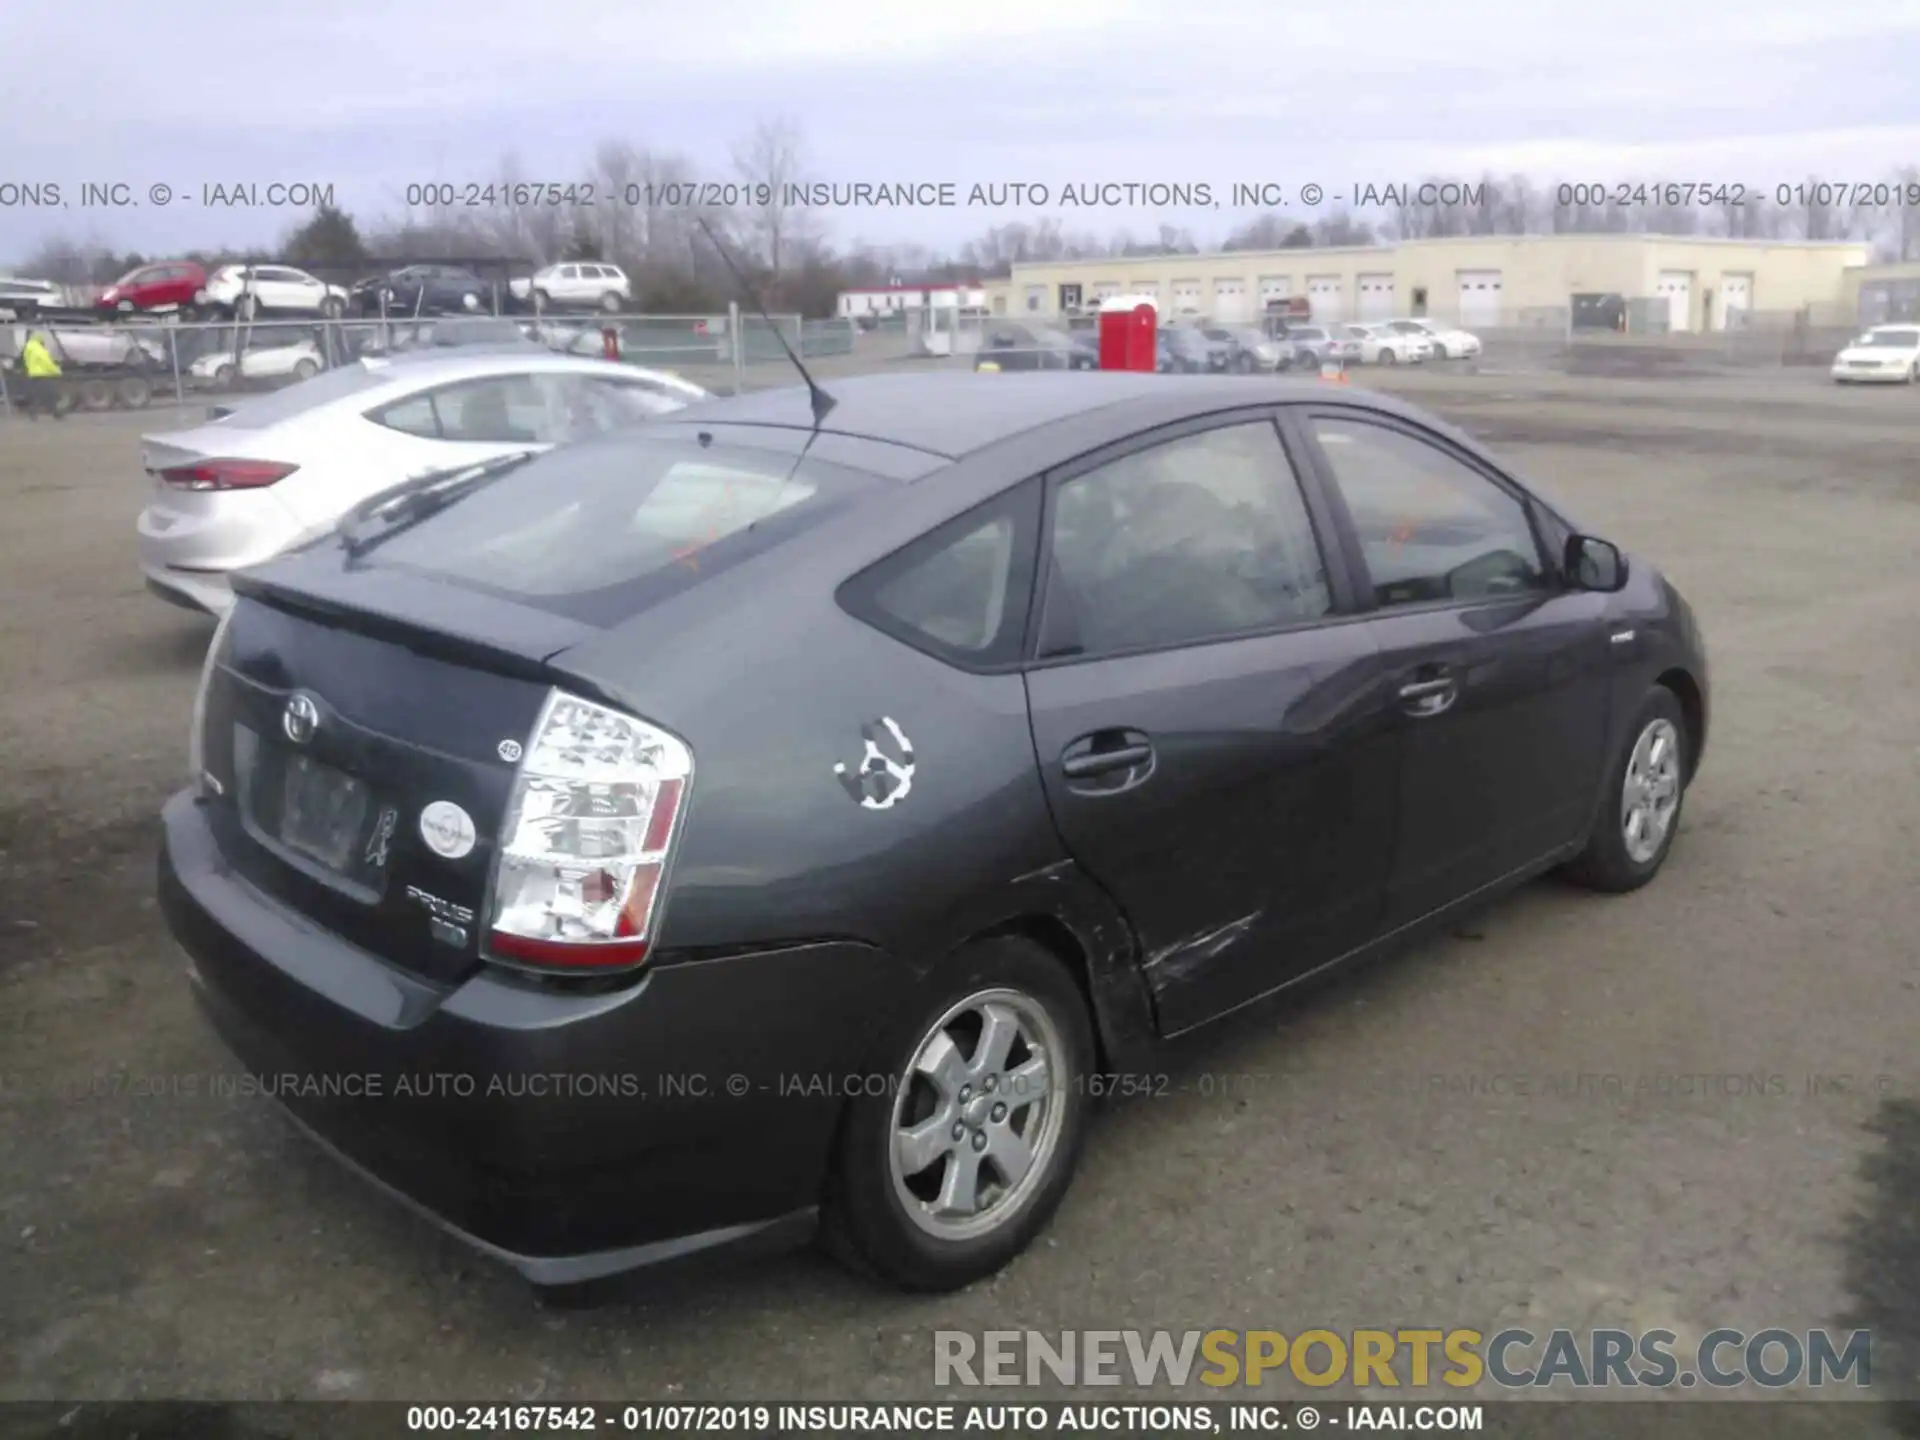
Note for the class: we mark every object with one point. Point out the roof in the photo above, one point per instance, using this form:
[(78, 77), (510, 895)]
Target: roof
[(911, 289), (953, 413)]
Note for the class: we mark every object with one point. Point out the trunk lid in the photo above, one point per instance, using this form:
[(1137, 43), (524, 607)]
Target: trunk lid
[(365, 753)]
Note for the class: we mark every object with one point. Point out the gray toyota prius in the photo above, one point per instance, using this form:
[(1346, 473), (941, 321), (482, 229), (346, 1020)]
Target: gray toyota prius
[(786, 817)]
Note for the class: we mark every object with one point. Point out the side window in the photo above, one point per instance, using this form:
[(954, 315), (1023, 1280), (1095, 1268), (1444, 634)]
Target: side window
[(414, 415), (1197, 538), (593, 406), (1430, 526), (962, 591), (503, 409)]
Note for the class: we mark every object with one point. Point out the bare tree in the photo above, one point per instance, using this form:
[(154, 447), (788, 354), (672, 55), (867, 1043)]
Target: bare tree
[(772, 163)]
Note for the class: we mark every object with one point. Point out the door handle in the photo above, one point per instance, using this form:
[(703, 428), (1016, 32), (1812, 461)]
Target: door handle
[(1103, 762), (1424, 698)]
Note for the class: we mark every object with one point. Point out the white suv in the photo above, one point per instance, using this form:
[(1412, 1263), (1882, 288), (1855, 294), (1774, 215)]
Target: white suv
[(576, 283), (243, 291)]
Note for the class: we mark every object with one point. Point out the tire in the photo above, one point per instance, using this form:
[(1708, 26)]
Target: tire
[(542, 300), (95, 395), (223, 375), (134, 391), (610, 303), (332, 307), (868, 1220), (1386, 357), (305, 370), (1609, 863)]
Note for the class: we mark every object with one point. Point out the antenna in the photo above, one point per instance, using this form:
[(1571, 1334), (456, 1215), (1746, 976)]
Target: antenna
[(821, 401)]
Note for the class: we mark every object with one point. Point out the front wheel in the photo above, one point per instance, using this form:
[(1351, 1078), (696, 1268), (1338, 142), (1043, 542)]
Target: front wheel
[(957, 1165), (1640, 813), (610, 302), (1386, 357), (305, 370)]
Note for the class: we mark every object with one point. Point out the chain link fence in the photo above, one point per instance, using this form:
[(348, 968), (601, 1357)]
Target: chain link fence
[(138, 363)]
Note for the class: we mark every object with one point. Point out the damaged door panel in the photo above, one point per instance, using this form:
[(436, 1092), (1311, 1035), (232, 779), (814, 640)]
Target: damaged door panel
[(1257, 846)]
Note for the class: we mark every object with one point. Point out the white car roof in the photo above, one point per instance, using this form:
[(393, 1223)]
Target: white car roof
[(412, 371)]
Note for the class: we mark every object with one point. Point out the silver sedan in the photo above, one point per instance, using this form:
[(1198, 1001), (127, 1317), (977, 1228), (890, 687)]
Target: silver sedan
[(279, 470)]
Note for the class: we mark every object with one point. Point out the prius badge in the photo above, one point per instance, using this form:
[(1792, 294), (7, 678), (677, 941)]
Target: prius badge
[(301, 718)]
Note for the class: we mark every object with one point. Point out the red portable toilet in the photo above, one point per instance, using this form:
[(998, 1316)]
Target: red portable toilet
[(610, 342), (1126, 338)]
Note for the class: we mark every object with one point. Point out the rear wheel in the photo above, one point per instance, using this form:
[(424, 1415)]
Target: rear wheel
[(223, 375), (135, 391), (95, 395), (1386, 356), (610, 302), (305, 370), (1640, 815), (952, 1171)]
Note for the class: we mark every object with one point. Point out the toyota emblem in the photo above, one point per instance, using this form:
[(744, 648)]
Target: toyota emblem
[(301, 719)]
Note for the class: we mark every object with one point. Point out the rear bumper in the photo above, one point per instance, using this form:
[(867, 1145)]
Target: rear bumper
[(571, 1136)]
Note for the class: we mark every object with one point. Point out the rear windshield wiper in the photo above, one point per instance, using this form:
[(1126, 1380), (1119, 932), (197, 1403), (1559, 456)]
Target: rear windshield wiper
[(405, 505)]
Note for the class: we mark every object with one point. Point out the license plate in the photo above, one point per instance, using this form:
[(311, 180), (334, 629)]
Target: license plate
[(322, 812)]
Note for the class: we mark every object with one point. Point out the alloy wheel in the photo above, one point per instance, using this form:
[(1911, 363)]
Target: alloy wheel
[(1650, 794), (976, 1121)]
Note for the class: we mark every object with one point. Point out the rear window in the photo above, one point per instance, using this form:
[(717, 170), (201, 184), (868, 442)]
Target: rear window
[(601, 530)]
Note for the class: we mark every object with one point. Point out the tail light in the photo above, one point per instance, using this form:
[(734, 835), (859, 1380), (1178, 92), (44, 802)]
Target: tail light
[(590, 826), (197, 738), (227, 474)]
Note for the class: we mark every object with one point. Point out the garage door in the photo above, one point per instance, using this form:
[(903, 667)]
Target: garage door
[(1186, 297), (1326, 294), (1376, 297), (1736, 297), (1229, 302), (1677, 287), (1480, 300), (1274, 287)]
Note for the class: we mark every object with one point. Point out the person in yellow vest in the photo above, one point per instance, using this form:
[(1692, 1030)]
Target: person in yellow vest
[(43, 378)]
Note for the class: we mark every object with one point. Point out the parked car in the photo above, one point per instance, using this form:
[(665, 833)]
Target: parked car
[(89, 347), (1885, 353), (175, 285), (1383, 345), (1195, 354), (1448, 342), (1034, 347), (1069, 731), (22, 299), (1250, 348), (283, 468), (1313, 344), (263, 355), (246, 290), (576, 285), (425, 290)]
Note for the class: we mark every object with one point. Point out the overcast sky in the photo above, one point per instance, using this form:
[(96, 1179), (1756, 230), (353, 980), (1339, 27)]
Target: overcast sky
[(369, 96)]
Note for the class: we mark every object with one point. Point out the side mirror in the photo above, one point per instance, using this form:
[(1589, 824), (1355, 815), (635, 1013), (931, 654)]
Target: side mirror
[(1591, 563)]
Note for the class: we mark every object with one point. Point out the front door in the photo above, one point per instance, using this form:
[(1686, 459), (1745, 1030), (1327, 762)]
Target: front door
[(1208, 727), (1499, 674)]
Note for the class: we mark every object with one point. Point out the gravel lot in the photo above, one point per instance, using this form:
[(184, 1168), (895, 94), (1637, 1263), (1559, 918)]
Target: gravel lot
[(1308, 1171)]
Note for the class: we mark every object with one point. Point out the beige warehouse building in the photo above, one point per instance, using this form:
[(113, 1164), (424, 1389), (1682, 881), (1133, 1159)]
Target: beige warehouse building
[(1691, 282)]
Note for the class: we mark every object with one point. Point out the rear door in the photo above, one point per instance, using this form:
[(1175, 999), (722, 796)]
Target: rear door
[(1207, 721), (1499, 675)]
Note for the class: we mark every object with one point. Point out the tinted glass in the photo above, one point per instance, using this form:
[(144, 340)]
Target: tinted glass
[(1200, 537), (413, 416), (502, 409), (963, 591), (1430, 526), (598, 531)]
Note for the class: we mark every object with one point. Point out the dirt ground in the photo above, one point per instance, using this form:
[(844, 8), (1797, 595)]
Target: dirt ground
[(1389, 1149)]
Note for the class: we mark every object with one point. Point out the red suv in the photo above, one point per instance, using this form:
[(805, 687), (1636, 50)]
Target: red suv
[(171, 284)]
